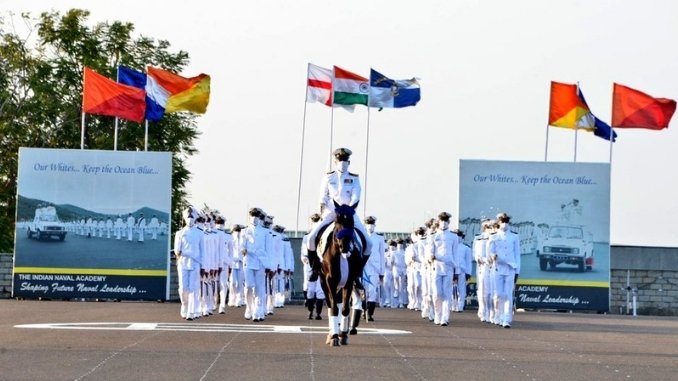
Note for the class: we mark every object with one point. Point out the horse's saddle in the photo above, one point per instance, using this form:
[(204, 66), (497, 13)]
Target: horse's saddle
[(324, 237)]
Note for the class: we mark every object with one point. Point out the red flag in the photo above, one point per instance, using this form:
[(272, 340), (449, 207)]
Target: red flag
[(634, 109), (102, 96)]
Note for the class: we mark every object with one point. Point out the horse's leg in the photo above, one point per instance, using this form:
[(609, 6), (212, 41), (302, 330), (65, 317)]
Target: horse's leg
[(333, 319), (345, 312)]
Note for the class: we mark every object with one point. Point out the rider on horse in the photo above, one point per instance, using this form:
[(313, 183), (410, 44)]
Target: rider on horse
[(343, 188)]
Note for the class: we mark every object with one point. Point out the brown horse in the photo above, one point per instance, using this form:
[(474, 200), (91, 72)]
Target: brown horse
[(341, 258)]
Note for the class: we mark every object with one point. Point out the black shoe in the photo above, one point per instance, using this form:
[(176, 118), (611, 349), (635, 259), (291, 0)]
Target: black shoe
[(370, 318), (318, 317), (310, 316)]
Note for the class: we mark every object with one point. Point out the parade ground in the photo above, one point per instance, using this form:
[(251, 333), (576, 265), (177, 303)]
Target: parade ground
[(62, 340)]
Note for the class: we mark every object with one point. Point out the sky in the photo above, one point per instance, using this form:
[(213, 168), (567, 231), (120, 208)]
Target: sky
[(485, 69)]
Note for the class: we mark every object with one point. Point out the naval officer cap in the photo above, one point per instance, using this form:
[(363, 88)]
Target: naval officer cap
[(444, 216), (503, 217), (342, 154), (255, 212), (370, 220)]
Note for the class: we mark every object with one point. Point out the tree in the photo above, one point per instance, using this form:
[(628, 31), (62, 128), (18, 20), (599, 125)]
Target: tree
[(40, 97)]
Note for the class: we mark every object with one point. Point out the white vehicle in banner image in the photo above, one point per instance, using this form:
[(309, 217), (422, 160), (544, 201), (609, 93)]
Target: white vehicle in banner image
[(567, 244), (46, 225)]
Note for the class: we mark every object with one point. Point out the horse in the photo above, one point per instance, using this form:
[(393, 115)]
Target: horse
[(344, 245)]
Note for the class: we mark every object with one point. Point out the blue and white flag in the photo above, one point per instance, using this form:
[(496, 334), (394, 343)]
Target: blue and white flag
[(131, 77), (392, 93)]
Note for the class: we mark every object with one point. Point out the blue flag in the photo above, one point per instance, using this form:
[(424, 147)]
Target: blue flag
[(602, 129), (131, 77), (392, 93)]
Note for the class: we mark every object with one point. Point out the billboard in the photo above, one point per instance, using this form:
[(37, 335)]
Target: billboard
[(561, 211), (92, 224)]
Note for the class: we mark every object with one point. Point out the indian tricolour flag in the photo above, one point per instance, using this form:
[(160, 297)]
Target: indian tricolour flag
[(350, 88)]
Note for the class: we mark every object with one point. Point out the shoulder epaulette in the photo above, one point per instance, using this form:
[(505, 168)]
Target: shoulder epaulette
[(329, 173), (353, 174), (514, 232), (381, 234)]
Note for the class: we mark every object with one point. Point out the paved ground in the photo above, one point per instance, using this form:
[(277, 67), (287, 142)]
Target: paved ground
[(150, 342)]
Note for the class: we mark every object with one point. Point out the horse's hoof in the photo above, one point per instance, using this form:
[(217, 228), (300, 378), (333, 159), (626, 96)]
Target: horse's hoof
[(343, 338), (335, 342), (331, 339)]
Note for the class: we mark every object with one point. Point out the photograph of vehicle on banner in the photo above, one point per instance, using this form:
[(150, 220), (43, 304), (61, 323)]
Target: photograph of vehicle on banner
[(561, 211), (92, 224)]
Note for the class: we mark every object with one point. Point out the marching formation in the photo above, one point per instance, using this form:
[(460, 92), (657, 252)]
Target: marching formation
[(429, 271), (129, 228), (251, 266)]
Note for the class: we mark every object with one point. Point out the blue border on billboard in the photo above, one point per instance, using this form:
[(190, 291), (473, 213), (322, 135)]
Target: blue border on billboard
[(561, 211), (93, 224)]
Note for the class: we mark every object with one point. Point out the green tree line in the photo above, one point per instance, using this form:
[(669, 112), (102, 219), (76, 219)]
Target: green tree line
[(41, 68)]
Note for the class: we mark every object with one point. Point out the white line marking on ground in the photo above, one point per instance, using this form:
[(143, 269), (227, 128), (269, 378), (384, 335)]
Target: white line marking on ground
[(199, 327)]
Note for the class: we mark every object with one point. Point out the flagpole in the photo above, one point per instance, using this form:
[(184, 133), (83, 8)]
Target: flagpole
[(82, 131), (115, 135), (576, 132), (146, 136), (115, 130), (329, 165), (611, 141), (301, 155), (612, 127), (546, 147), (367, 153)]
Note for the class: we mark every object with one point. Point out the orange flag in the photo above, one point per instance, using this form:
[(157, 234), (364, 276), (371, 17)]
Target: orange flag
[(103, 96), (634, 109)]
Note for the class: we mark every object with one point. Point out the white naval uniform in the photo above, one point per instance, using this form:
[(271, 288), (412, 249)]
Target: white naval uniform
[(413, 276), (224, 261), (387, 296), (130, 228), (313, 288), (426, 251), (375, 267), (188, 246), (236, 280), (483, 288), (344, 189), (141, 228), (109, 227), (444, 247), (119, 226), (399, 278), (506, 247), (255, 260), (288, 269), (277, 258), (465, 265), (154, 225)]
